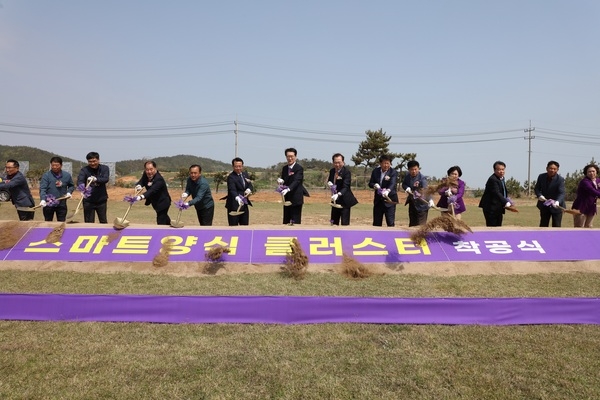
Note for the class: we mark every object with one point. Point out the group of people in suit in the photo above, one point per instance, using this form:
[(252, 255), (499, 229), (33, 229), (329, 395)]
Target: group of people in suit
[(57, 185)]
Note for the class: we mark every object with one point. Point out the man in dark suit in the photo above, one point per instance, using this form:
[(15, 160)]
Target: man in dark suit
[(414, 184), (239, 186), (495, 197), (292, 176), (156, 193), (96, 176), (550, 186), (16, 184), (340, 181), (383, 180)]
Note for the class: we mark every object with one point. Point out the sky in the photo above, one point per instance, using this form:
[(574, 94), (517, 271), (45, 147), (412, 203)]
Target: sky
[(457, 82)]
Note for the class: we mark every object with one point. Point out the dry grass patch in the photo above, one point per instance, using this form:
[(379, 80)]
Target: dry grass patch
[(56, 234), (162, 258), (354, 269), (296, 261), (214, 258), (445, 222)]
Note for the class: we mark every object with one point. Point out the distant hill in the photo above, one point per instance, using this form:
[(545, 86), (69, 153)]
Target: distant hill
[(40, 158), (37, 158)]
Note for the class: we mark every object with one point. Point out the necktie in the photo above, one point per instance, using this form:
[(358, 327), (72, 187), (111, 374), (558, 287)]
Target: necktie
[(503, 187), (243, 181)]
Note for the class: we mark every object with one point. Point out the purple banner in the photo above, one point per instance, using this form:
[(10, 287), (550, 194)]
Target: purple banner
[(322, 246), (298, 310)]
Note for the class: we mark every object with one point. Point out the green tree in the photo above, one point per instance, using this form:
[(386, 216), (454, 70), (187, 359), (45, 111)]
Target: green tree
[(513, 187), (369, 150), (182, 176), (35, 175), (220, 177)]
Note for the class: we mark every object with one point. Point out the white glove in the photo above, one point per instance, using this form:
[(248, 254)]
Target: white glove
[(184, 195), (93, 178), (431, 203), (285, 191), (187, 204), (330, 184), (376, 186), (68, 195), (280, 181), (90, 179), (507, 204), (138, 188), (385, 192), (247, 192), (448, 192), (43, 203), (138, 198), (542, 198), (239, 200), (408, 190), (334, 197), (556, 204)]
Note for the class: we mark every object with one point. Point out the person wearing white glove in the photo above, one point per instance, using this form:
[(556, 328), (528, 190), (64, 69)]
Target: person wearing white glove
[(340, 184), (292, 175), (431, 203), (96, 176), (280, 181), (550, 185), (138, 188), (239, 186), (57, 183), (68, 195), (494, 198), (414, 184), (454, 189), (508, 204), (184, 195), (43, 203), (384, 177), (198, 189), (156, 194), (285, 191)]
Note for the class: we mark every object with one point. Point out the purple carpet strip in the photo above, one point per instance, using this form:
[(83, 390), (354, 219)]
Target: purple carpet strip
[(298, 310)]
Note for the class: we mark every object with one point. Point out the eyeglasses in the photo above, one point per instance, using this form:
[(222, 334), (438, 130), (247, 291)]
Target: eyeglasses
[(7, 167)]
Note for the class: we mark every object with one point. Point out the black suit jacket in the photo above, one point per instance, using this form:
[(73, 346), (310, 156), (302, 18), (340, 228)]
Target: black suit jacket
[(294, 180), (343, 187), (235, 187), (388, 182), (554, 189), (157, 192), (493, 199)]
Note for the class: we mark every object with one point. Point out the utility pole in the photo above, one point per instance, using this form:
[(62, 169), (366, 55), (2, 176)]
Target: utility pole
[(236, 135), (529, 138)]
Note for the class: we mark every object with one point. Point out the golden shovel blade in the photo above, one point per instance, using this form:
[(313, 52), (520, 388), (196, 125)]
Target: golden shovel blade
[(336, 205), (235, 213), (120, 223), (177, 224)]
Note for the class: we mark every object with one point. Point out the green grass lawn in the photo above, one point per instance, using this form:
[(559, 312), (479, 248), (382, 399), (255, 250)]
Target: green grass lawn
[(54, 360), (41, 360)]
